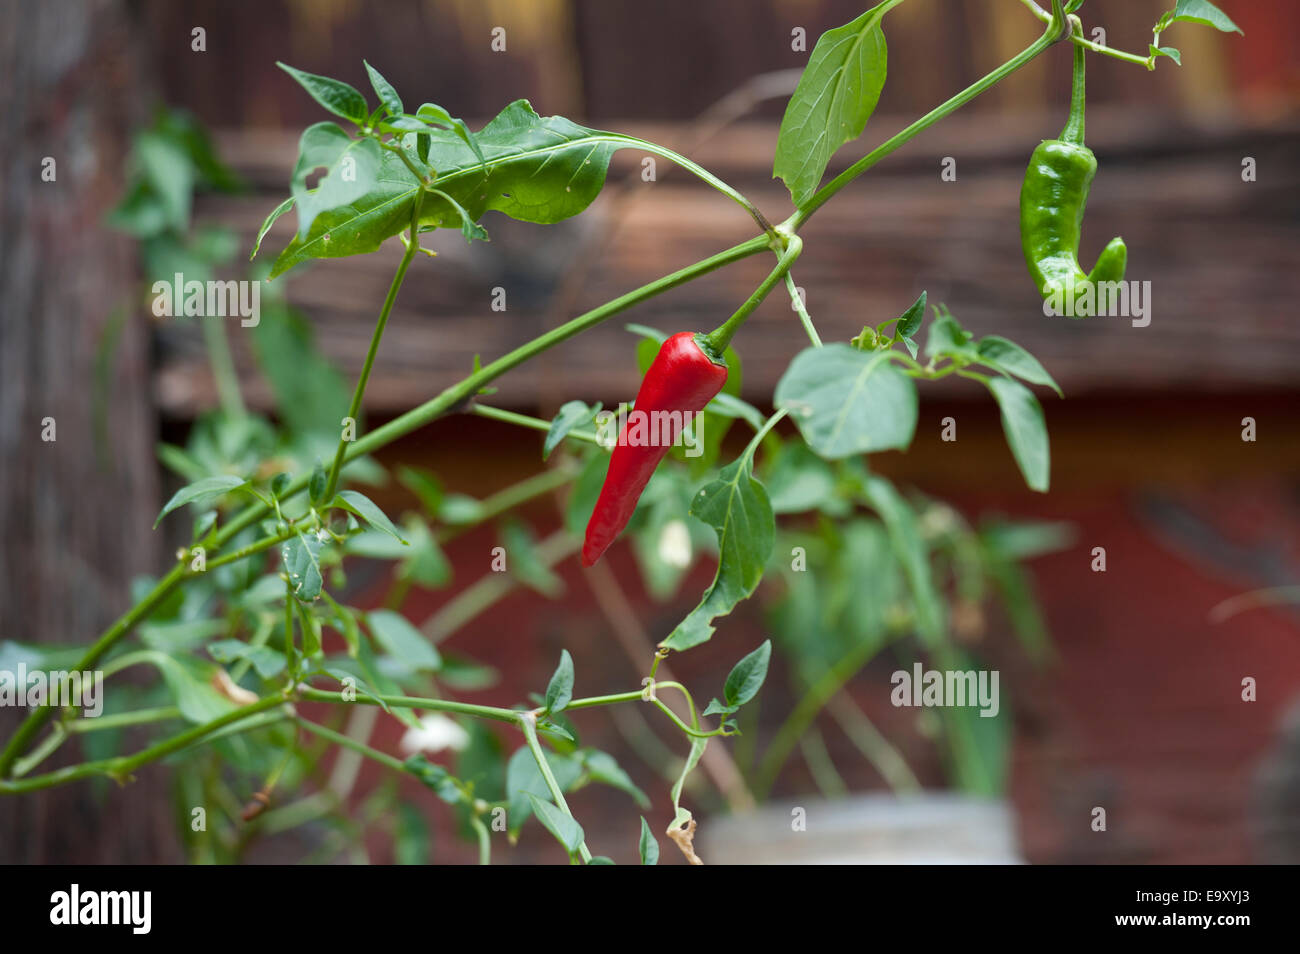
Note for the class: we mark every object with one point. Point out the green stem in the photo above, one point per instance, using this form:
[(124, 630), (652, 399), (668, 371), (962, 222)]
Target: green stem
[(873, 745), (788, 735), (138, 717), (1073, 131), (528, 723), (1078, 39), (119, 768), (720, 337), (707, 177), (587, 703), (223, 367), (484, 840), (358, 393), (510, 716), (527, 489), (398, 427), (338, 738), (524, 420), (36, 719), (797, 300), (1053, 33)]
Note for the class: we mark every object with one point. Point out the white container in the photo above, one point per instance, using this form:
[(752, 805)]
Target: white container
[(930, 828)]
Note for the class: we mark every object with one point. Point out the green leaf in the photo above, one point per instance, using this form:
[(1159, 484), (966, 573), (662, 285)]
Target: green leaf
[(403, 641), (278, 211), (1022, 421), (603, 768), (318, 482), (367, 510), (468, 227), (411, 837), (345, 622), (310, 394), (1003, 355), (648, 846), (909, 323), (848, 402), (423, 561), (910, 550), (949, 339), (836, 95), (746, 677), (526, 566), (191, 688), (265, 660), (1206, 13), (560, 689), (718, 708), (311, 643), (540, 170), (384, 90), (1168, 51), (301, 557), (353, 168), (424, 484), (170, 174), (435, 777), (735, 505), (564, 827), (435, 114), (799, 480), (571, 415), (201, 492), (681, 815), (335, 95), (523, 778)]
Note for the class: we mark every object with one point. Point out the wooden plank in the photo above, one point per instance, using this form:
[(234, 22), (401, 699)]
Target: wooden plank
[(1218, 252)]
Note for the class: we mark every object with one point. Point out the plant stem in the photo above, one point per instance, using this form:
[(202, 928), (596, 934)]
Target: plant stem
[(707, 177), (524, 420), (797, 300), (510, 716), (122, 766), (1078, 39), (32, 724), (720, 337), (223, 367), (1073, 131), (634, 696), (449, 399), (1053, 33), (484, 840), (528, 723), (797, 722), (527, 489), (358, 394), (338, 738)]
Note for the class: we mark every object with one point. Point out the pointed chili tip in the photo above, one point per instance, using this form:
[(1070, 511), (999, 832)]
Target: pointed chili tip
[(590, 555)]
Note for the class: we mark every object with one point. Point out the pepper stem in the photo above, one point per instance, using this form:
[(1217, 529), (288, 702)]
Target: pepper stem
[(1073, 131), (720, 337)]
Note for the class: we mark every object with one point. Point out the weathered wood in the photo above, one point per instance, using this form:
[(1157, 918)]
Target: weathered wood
[(1217, 251), (75, 511)]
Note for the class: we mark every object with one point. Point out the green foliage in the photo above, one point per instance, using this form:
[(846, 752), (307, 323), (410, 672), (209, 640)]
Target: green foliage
[(836, 95)]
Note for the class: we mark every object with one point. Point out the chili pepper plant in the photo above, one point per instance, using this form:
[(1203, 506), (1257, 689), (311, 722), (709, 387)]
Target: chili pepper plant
[(238, 626)]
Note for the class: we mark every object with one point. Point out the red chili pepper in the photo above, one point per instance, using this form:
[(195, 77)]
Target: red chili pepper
[(682, 379)]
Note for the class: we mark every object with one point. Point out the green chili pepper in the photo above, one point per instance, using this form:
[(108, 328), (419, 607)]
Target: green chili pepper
[(1052, 200)]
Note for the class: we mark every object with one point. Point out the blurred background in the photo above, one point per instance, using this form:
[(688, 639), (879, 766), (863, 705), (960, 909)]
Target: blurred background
[(1139, 710)]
